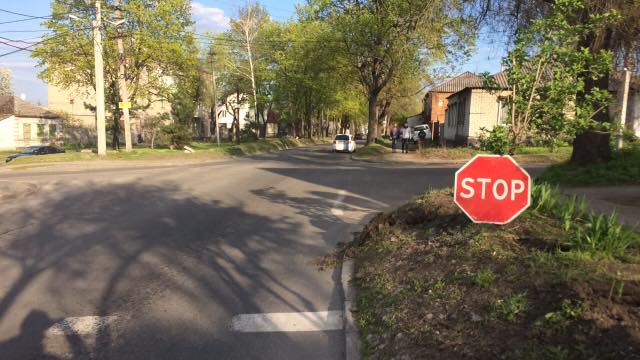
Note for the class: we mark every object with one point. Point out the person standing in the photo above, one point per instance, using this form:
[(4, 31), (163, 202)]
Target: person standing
[(406, 134), (395, 135)]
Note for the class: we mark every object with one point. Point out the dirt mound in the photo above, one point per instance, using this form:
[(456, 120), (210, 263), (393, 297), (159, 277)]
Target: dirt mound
[(433, 285)]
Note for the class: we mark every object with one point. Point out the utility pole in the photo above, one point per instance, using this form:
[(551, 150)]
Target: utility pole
[(122, 83), (623, 114), (99, 77), (214, 106)]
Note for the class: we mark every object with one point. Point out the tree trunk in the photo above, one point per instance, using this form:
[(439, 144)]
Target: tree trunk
[(591, 147), (372, 126)]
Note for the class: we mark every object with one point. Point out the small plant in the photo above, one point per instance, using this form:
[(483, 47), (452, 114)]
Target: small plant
[(496, 140), (562, 317), (511, 308), (484, 278), (604, 234)]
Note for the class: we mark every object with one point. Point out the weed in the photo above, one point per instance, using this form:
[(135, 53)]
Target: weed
[(562, 317), (484, 278), (617, 287), (604, 234), (512, 307)]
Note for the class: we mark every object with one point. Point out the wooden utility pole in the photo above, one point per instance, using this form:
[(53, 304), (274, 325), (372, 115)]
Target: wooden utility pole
[(99, 77), (214, 106), (623, 113), (122, 82)]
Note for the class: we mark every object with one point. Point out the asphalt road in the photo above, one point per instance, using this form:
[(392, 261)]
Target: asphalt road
[(154, 263)]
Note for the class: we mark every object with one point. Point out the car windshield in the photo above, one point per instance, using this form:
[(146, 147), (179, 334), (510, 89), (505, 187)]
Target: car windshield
[(342, 137), (30, 150)]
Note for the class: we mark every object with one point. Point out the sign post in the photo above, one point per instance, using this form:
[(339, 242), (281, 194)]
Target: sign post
[(492, 189)]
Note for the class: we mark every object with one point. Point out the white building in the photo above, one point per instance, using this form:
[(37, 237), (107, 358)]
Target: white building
[(25, 124)]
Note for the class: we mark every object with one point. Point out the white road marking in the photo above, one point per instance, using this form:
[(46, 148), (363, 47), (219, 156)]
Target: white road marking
[(337, 202), (82, 325), (285, 322)]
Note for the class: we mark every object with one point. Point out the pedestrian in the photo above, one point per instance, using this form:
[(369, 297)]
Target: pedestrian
[(395, 135), (406, 137)]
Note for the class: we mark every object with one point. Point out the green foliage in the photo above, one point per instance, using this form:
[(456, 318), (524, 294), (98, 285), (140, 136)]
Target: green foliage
[(624, 168), (593, 233), (512, 307), (383, 41), (177, 134), (548, 70), (603, 234), (158, 39), (495, 141)]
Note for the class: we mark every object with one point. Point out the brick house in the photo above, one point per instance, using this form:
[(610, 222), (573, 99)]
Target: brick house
[(435, 101), (475, 107)]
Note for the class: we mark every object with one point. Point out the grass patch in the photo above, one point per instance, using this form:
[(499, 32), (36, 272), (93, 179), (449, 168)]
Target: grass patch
[(203, 151), (454, 153), (624, 168), (428, 280), (370, 151)]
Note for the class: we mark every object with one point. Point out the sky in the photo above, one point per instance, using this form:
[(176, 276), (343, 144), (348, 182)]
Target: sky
[(209, 15)]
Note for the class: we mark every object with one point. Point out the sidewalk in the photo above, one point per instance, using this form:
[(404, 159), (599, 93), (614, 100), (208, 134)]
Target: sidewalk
[(624, 199)]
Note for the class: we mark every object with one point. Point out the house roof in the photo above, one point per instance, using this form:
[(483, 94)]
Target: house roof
[(11, 105), (469, 80), (457, 83)]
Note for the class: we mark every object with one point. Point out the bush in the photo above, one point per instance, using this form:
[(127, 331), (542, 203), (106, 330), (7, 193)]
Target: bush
[(495, 141), (178, 135)]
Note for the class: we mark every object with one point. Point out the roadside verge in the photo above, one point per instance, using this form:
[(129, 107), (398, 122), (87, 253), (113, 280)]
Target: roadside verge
[(555, 283)]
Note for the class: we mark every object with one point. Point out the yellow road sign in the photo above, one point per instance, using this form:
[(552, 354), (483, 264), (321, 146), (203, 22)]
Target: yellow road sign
[(124, 105)]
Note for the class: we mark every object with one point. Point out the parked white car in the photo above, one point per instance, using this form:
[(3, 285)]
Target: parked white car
[(344, 142), (418, 128)]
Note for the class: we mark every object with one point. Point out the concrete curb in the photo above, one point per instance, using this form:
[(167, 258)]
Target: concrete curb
[(351, 332)]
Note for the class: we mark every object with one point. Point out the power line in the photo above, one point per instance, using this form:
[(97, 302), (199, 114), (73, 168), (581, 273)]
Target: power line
[(25, 15), (20, 20)]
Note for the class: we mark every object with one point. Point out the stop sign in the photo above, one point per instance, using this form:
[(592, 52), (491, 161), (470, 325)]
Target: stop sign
[(492, 189)]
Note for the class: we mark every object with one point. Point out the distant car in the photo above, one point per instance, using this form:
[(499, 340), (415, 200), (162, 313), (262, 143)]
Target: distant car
[(359, 136), (34, 151), (426, 132), (345, 143)]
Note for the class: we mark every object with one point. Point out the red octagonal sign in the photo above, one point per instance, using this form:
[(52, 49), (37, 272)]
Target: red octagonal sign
[(492, 189)]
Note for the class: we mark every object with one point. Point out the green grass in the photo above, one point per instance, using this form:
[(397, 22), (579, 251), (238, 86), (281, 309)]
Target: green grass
[(371, 150), (533, 150), (624, 168), (202, 151)]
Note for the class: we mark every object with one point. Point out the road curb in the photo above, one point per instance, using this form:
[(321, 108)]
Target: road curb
[(351, 332)]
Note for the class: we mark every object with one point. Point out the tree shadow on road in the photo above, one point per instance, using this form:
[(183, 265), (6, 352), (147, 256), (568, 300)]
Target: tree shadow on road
[(165, 262)]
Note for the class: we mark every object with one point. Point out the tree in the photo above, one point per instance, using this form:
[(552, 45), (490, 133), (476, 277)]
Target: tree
[(5, 82), (252, 18), (548, 71), (159, 45), (382, 39)]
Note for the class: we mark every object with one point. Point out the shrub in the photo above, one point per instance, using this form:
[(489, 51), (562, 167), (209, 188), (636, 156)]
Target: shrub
[(495, 141), (178, 134)]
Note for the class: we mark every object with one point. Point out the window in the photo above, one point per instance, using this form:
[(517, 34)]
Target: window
[(26, 132), (53, 129), (40, 131)]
